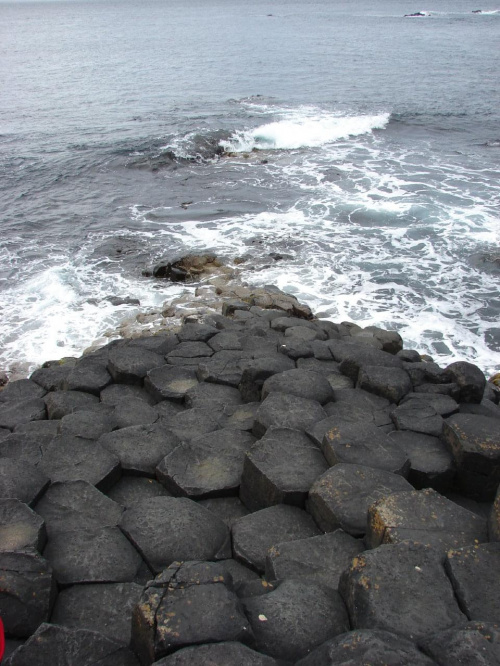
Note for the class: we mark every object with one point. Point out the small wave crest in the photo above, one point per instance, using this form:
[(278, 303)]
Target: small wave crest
[(303, 131)]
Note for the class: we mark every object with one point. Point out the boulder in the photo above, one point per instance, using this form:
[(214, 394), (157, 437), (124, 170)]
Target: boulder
[(400, 588), (20, 527), (388, 382), (130, 365), (320, 559), (255, 534), (15, 412), (475, 444), (423, 516), (280, 469), (295, 618), (287, 411), (342, 496), (52, 378), (475, 643), (105, 608), (60, 403), (170, 382), (89, 375), (168, 529), (188, 603), (101, 555), (469, 378), (21, 481), (209, 466), (52, 645), (133, 489), (473, 572), (140, 448), (28, 592), (431, 464)]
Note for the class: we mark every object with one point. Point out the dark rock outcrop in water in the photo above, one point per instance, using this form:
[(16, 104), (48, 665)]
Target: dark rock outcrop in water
[(258, 487)]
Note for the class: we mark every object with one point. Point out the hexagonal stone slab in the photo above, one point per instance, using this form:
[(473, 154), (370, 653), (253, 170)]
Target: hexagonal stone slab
[(469, 378), (302, 383), (140, 448), (423, 516), (402, 588), (280, 469), (365, 646), (106, 608), (187, 604), (228, 509), (391, 383), (28, 592), (224, 367), (475, 643), (130, 412), (320, 559), (112, 395), (15, 412), (258, 370), (342, 496), (170, 382), (418, 416), (22, 389), (20, 527), (24, 447), (130, 364), (255, 534), (52, 645), (69, 458), (133, 489), (166, 529), (21, 481), (196, 332), (287, 411), (475, 444), (75, 505), (52, 378), (431, 464), (101, 555), (206, 394), (295, 618), (353, 357), (87, 423), (209, 466), (473, 572), (89, 375), (60, 403), (192, 423), (361, 444), (222, 654)]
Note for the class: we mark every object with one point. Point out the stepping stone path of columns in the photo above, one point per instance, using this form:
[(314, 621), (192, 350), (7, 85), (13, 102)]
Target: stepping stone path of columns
[(257, 488)]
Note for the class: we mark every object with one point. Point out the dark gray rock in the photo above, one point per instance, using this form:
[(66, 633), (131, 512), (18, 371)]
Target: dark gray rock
[(418, 416), (286, 411), (302, 334), (20, 390), (45, 430), (451, 390), (473, 572), (28, 592), (20, 527), (225, 341), (133, 489), (423, 516), (115, 393), (258, 370), (401, 588), (255, 534), (192, 423), (224, 367), (241, 576), (320, 559), (302, 383), (295, 618), (60, 403), (443, 404), (485, 408), (69, 458), (221, 654), (280, 469), (21, 481), (131, 412), (102, 555), (424, 372), (209, 466), (494, 519), (342, 496), (140, 448), (409, 355), (367, 647), (105, 608), (89, 375), (76, 505), (391, 341), (361, 444), (240, 417), (187, 604), (87, 423), (390, 383), (475, 643), (4, 432), (170, 382), (356, 357), (159, 344), (205, 395), (190, 350), (52, 645), (431, 464), (282, 323), (196, 332), (15, 412), (228, 509), (129, 365), (475, 444), (167, 409), (52, 378), (471, 381), (24, 447), (359, 399), (168, 529)]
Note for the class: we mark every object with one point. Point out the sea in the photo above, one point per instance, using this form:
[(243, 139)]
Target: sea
[(347, 152)]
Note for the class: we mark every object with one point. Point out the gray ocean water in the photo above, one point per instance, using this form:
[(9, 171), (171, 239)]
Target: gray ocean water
[(364, 148)]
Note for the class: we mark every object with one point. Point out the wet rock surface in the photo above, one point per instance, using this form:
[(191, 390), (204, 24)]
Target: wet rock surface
[(284, 479)]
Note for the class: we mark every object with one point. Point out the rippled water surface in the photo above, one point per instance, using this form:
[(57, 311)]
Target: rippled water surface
[(361, 145)]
